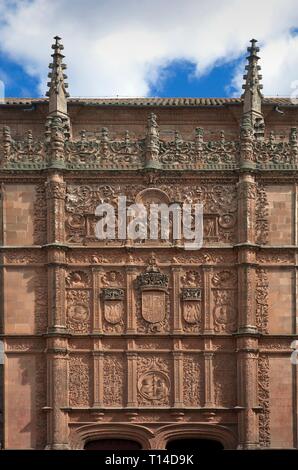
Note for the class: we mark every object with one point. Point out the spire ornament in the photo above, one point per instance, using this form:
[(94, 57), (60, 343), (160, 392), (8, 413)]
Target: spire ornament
[(57, 86), (252, 96)]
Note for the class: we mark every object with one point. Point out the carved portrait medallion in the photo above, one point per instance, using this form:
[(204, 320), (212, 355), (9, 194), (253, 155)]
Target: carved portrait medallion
[(78, 313), (154, 385)]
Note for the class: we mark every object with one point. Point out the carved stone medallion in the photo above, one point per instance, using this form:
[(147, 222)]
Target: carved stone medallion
[(154, 385)]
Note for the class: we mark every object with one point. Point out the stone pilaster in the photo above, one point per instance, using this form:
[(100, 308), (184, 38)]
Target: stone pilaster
[(56, 290), (208, 323), (131, 300), (246, 208), (132, 359), (176, 302), (98, 358), (178, 379), (57, 394), (208, 355), (247, 363), (56, 188)]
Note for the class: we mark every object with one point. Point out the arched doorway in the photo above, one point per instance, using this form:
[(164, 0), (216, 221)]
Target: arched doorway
[(112, 444), (194, 445)]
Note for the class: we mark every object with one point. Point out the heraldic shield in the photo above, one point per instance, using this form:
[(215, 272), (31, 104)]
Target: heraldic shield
[(153, 306)]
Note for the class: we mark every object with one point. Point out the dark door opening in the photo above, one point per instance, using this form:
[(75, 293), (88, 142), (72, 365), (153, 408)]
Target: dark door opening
[(112, 444), (194, 444)]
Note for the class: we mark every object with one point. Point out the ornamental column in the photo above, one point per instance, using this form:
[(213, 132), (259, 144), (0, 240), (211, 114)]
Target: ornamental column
[(252, 129), (57, 132)]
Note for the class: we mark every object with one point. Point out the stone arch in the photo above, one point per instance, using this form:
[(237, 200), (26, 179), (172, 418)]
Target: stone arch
[(81, 435), (152, 195), (218, 433)]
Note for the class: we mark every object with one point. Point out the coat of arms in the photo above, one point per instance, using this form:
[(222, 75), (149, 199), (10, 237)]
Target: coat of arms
[(153, 306), (113, 311)]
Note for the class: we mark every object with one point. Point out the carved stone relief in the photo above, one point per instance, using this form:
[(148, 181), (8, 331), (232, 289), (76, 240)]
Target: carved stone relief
[(262, 291), (224, 301), (192, 381), (264, 401), (79, 376), (153, 382), (114, 379), (78, 311)]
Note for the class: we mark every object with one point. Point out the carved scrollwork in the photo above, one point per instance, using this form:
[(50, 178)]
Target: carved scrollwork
[(79, 373), (262, 212), (264, 401), (262, 293)]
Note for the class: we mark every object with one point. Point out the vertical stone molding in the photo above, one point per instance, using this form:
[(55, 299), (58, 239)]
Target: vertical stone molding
[(55, 192), (98, 391), (247, 365), (56, 290), (57, 387), (132, 401), (246, 208), (178, 379), (176, 302), (209, 400), (208, 321), (131, 273)]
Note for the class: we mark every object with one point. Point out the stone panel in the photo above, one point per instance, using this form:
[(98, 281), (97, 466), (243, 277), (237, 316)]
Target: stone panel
[(281, 418), (19, 214), (280, 215), (280, 301), (25, 313)]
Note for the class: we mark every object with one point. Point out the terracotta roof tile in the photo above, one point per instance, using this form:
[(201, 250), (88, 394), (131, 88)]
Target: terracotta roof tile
[(156, 102)]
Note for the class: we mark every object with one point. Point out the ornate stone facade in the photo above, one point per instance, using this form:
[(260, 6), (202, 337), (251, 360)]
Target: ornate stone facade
[(103, 336)]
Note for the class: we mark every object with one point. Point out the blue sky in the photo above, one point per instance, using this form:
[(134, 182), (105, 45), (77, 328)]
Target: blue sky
[(190, 48), (178, 79)]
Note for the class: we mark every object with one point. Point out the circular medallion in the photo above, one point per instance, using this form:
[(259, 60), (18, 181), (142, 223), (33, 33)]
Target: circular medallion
[(154, 385), (78, 313)]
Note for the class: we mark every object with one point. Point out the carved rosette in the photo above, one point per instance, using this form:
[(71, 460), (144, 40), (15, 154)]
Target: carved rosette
[(224, 284), (153, 381), (79, 385), (192, 381), (262, 293), (114, 379), (264, 400)]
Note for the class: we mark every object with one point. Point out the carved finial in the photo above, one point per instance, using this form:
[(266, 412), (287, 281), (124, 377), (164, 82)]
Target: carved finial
[(252, 96), (57, 86)]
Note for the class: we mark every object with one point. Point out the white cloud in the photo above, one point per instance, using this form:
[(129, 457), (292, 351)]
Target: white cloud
[(117, 47)]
